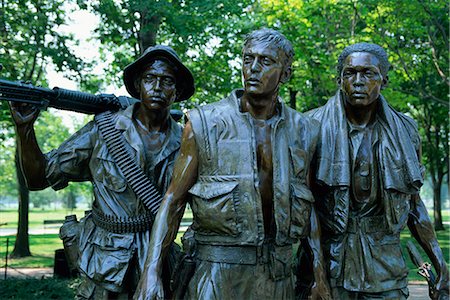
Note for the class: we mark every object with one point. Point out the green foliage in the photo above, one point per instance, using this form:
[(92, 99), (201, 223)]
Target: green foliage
[(30, 39), (42, 289), (206, 34), (415, 35), (50, 132)]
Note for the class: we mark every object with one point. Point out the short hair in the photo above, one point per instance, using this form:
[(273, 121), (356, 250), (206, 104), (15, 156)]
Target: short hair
[(274, 38), (374, 49)]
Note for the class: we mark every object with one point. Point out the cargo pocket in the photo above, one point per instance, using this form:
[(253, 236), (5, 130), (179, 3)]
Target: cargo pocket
[(213, 207), (301, 201), (387, 256), (280, 264)]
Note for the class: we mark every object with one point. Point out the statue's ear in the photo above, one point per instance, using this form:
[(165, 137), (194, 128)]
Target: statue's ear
[(385, 82), (178, 92), (137, 84), (287, 72)]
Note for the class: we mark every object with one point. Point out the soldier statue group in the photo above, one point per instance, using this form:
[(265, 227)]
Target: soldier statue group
[(340, 182)]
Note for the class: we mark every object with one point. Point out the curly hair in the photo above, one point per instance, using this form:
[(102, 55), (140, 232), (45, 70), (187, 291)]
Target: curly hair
[(374, 49)]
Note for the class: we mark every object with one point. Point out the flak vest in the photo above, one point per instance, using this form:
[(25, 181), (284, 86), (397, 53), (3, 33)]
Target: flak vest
[(226, 201)]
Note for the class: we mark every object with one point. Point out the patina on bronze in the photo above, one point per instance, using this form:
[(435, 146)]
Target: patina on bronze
[(367, 178), (244, 161), (113, 241)]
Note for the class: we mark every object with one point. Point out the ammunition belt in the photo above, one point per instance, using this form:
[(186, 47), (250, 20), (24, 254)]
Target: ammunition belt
[(122, 224), (123, 156)]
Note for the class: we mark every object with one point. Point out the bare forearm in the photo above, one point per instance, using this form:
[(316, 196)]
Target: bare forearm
[(316, 247), (31, 158), (165, 229), (321, 289), (422, 229)]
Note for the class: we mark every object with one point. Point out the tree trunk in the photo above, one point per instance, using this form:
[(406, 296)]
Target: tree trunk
[(437, 205), (22, 244), (148, 30), (292, 98)]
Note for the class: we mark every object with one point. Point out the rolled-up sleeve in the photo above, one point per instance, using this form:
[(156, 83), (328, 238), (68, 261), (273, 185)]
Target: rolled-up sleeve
[(70, 162)]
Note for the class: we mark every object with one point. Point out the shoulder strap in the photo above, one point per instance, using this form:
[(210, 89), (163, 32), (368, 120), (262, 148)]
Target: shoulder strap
[(136, 178)]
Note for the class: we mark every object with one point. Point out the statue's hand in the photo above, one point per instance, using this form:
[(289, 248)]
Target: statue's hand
[(23, 114), (150, 287), (321, 291)]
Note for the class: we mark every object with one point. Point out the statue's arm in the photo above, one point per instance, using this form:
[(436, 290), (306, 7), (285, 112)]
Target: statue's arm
[(31, 158), (169, 216), (421, 228), (320, 289)]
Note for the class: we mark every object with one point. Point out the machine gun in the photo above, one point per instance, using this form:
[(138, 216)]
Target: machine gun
[(424, 269), (61, 98), (66, 99)]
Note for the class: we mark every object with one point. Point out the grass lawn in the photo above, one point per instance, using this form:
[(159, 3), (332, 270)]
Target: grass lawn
[(38, 289), (36, 217)]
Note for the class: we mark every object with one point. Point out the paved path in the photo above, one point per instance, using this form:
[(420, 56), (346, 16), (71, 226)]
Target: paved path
[(417, 290)]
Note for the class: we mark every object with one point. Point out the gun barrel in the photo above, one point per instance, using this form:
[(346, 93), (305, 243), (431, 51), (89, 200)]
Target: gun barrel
[(83, 102), (66, 99)]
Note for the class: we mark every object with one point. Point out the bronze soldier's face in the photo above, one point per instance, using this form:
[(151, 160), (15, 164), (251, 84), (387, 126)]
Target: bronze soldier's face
[(158, 86), (262, 68), (361, 79)]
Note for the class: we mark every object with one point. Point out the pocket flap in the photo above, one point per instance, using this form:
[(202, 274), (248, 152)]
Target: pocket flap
[(299, 158), (103, 154), (208, 190), (303, 192)]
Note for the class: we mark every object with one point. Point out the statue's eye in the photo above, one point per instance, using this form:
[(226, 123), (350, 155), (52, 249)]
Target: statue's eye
[(369, 73), (267, 61), (168, 81), (248, 59), (347, 73), (149, 78)]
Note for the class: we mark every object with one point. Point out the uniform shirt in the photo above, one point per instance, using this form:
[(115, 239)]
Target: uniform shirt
[(105, 256)]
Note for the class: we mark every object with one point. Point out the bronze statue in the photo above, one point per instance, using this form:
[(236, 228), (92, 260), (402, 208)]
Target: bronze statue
[(244, 161), (114, 238), (367, 177)]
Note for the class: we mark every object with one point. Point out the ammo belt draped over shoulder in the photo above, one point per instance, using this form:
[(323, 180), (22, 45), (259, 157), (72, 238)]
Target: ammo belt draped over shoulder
[(122, 224)]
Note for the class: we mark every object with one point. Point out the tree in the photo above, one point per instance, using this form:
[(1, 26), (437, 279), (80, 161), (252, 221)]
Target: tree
[(416, 35), (29, 39), (204, 33)]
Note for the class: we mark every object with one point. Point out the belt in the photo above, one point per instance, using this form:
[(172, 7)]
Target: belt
[(244, 255), (367, 224), (122, 224)]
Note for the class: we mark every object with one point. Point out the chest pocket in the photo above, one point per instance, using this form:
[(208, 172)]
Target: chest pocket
[(213, 206), (299, 159), (107, 172)]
